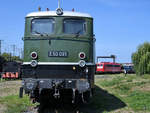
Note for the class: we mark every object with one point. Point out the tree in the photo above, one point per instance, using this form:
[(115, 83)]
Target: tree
[(141, 59), (8, 57)]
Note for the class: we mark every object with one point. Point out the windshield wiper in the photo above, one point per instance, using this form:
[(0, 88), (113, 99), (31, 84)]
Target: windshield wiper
[(78, 33), (38, 33), (45, 34)]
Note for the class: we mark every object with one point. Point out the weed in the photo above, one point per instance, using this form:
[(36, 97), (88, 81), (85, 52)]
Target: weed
[(114, 81), (146, 76), (139, 101), (2, 80), (130, 78), (140, 83), (14, 104), (123, 88)]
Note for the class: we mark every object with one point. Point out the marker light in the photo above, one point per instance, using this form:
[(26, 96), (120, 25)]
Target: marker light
[(82, 55), (33, 55)]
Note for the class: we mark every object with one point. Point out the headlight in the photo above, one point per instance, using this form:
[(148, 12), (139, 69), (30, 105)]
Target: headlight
[(82, 63), (59, 11), (34, 63)]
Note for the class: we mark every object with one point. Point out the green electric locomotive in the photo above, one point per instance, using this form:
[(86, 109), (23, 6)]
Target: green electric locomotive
[(59, 60)]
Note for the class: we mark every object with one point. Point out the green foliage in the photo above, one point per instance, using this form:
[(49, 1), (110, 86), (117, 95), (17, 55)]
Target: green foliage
[(8, 57), (148, 67), (14, 104), (141, 59)]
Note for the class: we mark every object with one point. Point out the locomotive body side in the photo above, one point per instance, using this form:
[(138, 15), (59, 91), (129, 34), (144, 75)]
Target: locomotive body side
[(58, 54)]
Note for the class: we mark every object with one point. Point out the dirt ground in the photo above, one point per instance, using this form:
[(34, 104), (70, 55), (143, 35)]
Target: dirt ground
[(9, 88), (2, 108)]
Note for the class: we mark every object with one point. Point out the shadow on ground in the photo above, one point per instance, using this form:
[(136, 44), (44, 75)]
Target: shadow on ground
[(102, 101)]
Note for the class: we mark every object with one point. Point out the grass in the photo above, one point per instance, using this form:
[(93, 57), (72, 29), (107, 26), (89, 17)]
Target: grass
[(9, 100), (2, 80), (139, 101), (14, 104), (114, 81), (130, 90)]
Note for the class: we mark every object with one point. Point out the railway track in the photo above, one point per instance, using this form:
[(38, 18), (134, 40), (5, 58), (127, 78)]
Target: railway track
[(60, 108), (52, 110)]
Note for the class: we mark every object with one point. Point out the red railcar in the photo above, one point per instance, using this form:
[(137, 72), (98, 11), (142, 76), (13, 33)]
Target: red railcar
[(108, 67)]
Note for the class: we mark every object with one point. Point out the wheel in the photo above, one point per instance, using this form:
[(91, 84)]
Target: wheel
[(86, 96)]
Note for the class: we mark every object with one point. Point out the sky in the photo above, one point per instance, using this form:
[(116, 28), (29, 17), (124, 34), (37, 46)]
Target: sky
[(120, 26)]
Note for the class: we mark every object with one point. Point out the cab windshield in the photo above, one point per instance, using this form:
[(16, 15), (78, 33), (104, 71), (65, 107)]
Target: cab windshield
[(42, 26), (74, 26)]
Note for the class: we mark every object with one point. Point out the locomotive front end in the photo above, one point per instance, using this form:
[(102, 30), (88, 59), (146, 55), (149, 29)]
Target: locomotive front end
[(58, 55)]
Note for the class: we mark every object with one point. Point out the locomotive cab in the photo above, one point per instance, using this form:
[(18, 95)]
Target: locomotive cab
[(58, 55)]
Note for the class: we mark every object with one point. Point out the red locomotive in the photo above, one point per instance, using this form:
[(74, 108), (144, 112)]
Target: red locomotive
[(108, 67)]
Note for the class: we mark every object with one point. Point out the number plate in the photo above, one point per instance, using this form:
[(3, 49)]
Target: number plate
[(58, 54)]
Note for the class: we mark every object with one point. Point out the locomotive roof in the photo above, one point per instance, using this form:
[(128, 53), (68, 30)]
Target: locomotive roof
[(108, 63), (53, 13)]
